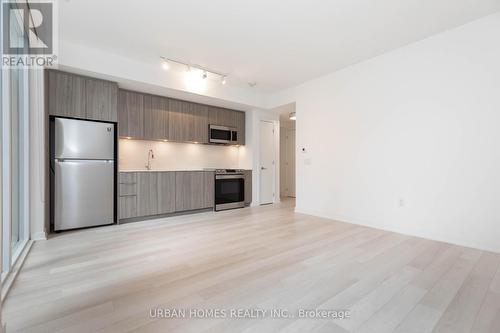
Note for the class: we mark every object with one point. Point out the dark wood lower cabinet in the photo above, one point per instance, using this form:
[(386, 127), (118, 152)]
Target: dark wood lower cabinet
[(127, 206), (166, 192), (152, 193), (147, 193), (189, 190), (248, 186)]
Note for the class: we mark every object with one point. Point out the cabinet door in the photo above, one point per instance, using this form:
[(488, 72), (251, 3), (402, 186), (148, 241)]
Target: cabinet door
[(240, 126), (156, 117), (248, 186), (101, 100), (130, 114), (222, 117), (166, 192), (127, 206), (208, 189), (66, 95), (147, 193), (199, 129), (176, 131), (189, 190)]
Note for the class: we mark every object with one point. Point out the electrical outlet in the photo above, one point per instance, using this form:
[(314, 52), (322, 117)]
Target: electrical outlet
[(401, 202)]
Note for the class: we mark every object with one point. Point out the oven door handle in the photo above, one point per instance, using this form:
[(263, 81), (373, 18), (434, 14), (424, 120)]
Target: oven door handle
[(229, 177)]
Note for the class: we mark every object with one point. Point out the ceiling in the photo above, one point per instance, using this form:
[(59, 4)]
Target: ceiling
[(275, 43)]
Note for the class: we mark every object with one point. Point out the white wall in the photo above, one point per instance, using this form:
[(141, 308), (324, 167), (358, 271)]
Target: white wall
[(408, 141), (149, 77), (133, 155)]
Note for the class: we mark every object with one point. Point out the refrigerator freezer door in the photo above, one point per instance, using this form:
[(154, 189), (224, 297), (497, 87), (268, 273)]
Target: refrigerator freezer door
[(81, 139), (83, 193)]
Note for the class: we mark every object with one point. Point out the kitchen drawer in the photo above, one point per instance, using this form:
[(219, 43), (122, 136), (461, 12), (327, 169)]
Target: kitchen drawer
[(127, 177), (127, 207), (127, 189)]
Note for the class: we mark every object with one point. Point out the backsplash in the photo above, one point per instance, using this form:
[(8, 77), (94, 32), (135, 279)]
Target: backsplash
[(133, 155)]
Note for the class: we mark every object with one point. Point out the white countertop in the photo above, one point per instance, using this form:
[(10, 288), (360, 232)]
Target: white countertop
[(144, 170), (172, 170)]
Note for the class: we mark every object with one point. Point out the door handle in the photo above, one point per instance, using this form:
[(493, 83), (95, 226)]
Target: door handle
[(262, 168)]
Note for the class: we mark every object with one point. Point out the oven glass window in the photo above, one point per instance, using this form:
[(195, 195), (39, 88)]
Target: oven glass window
[(229, 190), (218, 134)]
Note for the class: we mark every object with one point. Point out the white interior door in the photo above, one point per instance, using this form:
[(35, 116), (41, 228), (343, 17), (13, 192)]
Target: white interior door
[(267, 165)]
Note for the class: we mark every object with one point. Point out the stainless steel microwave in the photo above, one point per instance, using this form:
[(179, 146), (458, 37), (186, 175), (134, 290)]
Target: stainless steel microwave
[(223, 134)]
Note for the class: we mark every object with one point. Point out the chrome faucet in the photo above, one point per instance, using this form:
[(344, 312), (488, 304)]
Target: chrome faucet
[(151, 156)]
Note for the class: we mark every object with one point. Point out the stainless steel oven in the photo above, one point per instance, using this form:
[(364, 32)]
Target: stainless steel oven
[(229, 189), (223, 134)]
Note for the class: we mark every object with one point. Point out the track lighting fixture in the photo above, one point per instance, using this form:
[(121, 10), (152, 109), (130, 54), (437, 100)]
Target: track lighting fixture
[(292, 116), (166, 65)]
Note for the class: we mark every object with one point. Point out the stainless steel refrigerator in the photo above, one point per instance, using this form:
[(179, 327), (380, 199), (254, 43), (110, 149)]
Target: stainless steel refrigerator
[(83, 169)]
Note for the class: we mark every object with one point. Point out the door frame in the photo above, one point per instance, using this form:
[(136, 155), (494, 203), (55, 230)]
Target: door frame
[(276, 198)]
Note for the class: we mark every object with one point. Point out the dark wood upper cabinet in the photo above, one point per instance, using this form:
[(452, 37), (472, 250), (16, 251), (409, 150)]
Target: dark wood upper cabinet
[(222, 117), (101, 100), (199, 129), (66, 94), (177, 120), (151, 117), (130, 114), (156, 117), (139, 115), (240, 126), (76, 96)]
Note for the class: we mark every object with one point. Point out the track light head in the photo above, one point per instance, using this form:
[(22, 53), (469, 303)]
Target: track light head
[(204, 76), (165, 65), (223, 81)]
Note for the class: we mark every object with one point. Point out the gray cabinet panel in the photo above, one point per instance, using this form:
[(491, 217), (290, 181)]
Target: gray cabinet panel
[(208, 189), (127, 207), (130, 114), (176, 121), (188, 122), (66, 94), (166, 192), (127, 177), (199, 128), (101, 100), (248, 186), (222, 117), (240, 126), (156, 117), (189, 186), (147, 193), (127, 189)]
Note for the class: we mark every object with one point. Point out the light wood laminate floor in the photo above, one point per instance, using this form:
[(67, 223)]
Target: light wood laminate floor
[(107, 279)]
